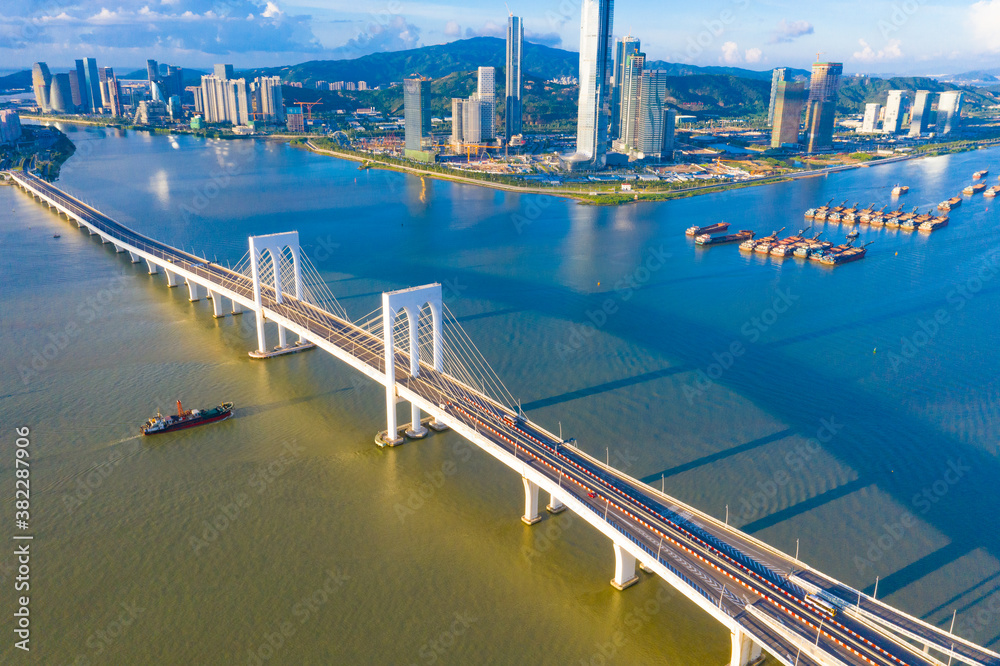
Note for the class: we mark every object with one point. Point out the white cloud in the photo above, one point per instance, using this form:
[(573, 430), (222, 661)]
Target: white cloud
[(453, 29), (891, 51), (272, 11), (984, 20), (789, 31), (753, 55), (731, 53)]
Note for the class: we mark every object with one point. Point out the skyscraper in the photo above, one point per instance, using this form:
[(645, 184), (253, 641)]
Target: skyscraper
[(486, 94), (224, 71), (74, 88), (152, 71), (789, 100), (595, 78), (417, 118), (174, 80), (920, 115), (822, 109), (624, 47), (949, 113), (777, 76), (103, 75), (895, 107), (115, 105), (267, 92), (92, 84), (41, 82), (651, 116), (669, 127), (81, 81), (870, 122), (631, 98), (515, 53), (60, 96)]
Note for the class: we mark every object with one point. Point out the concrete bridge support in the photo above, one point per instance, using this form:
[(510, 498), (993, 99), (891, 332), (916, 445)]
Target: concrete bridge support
[(625, 575), (135, 258), (119, 249), (530, 516), (555, 505), (152, 267), (274, 245), (217, 310), (195, 291), (412, 302), (105, 240), (171, 278), (745, 651), (237, 308)]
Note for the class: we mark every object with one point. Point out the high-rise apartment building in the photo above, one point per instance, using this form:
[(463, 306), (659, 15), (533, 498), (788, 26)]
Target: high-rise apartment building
[(41, 83), (92, 83), (60, 96), (650, 120), (949, 114), (10, 126), (417, 119), (895, 107), (596, 21), (512, 89), (777, 76), (223, 71), (486, 94), (268, 100), (870, 123), (631, 98), (466, 122), (789, 100), (624, 47), (822, 107), (920, 115)]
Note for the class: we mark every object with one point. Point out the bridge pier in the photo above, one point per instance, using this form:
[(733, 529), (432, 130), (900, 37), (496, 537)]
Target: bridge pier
[(625, 575), (530, 516), (194, 291), (119, 249), (282, 337), (152, 267), (745, 651), (555, 505), (237, 308), (105, 240), (171, 278), (216, 304), (135, 258)]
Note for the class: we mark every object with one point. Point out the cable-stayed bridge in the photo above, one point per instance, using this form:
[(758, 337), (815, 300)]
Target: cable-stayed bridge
[(417, 350)]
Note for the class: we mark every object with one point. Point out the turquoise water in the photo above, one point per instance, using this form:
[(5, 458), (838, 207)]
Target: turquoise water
[(705, 370)]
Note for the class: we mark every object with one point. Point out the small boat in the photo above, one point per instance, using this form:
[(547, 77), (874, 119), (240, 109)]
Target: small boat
[(56, 236), (743, 235), (934, 224), (954, 202), (900, 189), (804, 251), (710, 229), (974, 189), (751, 244), (980, 174), (845, 256), (991, 192), (186, 418), (854, 234)]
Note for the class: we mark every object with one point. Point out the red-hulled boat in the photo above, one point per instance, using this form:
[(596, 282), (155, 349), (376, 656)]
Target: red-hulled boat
[(186, 418)]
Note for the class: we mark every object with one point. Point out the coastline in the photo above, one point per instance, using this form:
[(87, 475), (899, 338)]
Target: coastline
[(599, 198)]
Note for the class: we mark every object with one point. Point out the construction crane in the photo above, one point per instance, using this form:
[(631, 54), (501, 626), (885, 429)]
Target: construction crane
[(309, 108), (818, 54)]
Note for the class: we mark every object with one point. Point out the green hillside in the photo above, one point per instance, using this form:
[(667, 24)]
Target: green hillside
[(855, 92)]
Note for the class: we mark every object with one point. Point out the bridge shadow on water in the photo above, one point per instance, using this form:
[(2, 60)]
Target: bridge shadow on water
[(604, 388), (900, 454), (719, 455)]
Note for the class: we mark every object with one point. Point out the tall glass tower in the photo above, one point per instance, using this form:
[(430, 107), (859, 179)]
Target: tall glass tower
[(625, 47), (595, 80), (515, 53)]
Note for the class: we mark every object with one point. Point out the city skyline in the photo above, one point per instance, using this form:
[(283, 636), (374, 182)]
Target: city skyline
[(943, 38)]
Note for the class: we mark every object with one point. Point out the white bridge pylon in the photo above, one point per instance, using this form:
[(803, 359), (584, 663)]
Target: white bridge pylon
[(411, 302), (274, 245)]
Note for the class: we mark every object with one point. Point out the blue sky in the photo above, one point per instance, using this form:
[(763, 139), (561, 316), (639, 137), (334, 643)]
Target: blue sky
[(875, 36)]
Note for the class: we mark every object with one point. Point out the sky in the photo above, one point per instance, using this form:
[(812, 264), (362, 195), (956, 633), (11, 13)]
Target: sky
[(907, 37)]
